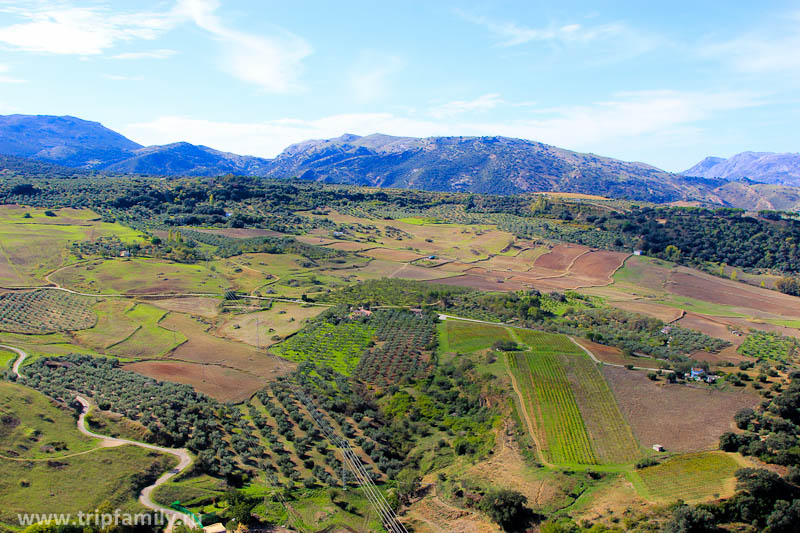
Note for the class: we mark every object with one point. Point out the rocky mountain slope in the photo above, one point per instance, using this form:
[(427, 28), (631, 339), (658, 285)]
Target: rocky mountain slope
[(764, 167), (498, 165)]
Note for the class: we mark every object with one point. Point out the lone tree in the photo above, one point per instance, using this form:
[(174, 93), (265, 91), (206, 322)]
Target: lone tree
[(507, 508)]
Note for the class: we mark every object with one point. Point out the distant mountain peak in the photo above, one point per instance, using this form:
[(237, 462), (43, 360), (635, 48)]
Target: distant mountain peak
[(763, 167)]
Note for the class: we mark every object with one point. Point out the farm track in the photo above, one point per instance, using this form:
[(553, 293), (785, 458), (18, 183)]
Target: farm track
[(145, 496)]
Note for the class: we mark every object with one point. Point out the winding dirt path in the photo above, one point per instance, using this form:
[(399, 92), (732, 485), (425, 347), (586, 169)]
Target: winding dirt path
[(145, 497)]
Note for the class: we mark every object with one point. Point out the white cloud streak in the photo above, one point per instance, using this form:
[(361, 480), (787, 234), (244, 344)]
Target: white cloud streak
[(773, 50), (510, 33), (369, 78), (147, 54), (482, 103), (5, 78), (274, 62)]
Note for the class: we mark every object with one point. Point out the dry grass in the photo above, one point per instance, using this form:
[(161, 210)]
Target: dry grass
[(257, 329), (682, 418), (202, 347), (193, 305)]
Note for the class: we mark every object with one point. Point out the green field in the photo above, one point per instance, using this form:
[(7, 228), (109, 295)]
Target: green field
[(81, 483), (149, 339), (141, 275), (32, 425), (688, 477), (6, 358), (465, 337)]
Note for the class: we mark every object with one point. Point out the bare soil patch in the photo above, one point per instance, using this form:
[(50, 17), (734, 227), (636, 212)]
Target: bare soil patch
[(721, 291), (710, 326), (561, 256), (223, 384), (598, 265), (194, 305), (682, 418)]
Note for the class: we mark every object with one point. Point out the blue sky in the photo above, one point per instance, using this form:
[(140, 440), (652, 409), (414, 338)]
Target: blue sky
[(666, 83)]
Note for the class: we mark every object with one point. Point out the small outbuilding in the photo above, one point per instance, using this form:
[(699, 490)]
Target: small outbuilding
[(658, 447)]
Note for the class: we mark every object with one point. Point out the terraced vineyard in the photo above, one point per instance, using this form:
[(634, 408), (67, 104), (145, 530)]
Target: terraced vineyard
[(549, 397), (688, 477), (612, 437), (577, 416), (45, 311)]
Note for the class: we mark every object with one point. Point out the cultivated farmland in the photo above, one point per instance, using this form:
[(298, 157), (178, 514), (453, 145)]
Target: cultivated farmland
[(44, 311), (547, 393), (689, 477)]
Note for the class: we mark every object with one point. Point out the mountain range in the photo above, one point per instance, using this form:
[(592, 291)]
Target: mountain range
[(764, 167), (496, 165)]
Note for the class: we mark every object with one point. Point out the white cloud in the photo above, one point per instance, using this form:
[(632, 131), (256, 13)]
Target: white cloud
[(629, 119), (484, 102), (370, 76), (148, 54), (5, 78), (274, 63), (63, 29), (774, 49), (509, 33), (118, 77)]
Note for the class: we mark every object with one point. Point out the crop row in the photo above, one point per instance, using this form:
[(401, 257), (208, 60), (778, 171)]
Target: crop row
[(554, 404), (44, 311)]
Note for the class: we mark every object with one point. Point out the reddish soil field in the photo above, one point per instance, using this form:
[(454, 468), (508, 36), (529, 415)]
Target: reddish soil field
[(598, 265), (223, 384), (561, 256), (402, 256), (710, 326), (746, 325), (481, 282), (240, 233), (682, 418), (728, 354), (726, 292), (202, 347), (661, 312)]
